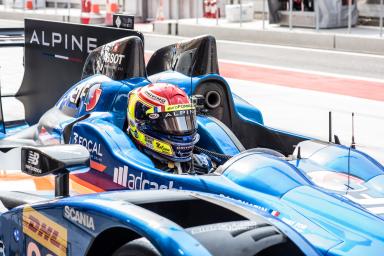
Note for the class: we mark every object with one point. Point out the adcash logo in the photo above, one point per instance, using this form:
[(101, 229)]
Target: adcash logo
[(122, 177)]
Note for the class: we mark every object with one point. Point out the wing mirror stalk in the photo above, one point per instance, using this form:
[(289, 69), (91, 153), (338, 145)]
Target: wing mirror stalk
[(58, 160)]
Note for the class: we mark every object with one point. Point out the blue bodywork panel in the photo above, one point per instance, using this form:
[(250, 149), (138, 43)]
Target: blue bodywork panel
[(75, 225), (330, 222)]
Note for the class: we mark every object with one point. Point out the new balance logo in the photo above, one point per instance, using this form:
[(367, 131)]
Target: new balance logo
[(132, 181), (33, 158)]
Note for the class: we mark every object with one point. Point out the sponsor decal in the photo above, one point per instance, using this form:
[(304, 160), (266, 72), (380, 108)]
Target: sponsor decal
[(170, 108), (275, 213), (33, 158), (154, 116), (2, 248), (237, 226), (32, 162), (113, 58), (162, 147), (93, 97), (264, 209), (118, 21), (64, 41), (34, 250), (45, 231), (79, 217), (123, 177), (296, 225), (155, 97), (152, 143), (93, 147), (179, 113), (116, 47)]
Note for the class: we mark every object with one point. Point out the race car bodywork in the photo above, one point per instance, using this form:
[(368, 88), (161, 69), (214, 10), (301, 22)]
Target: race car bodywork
[(278, 181), (132, 223)]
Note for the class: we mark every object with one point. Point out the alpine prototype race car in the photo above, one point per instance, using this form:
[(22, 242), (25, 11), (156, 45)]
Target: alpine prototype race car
[(282, 174)]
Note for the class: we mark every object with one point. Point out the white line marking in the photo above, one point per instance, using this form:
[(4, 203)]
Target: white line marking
[(367, 201), (61, 57), (305, 71), (376, 210)]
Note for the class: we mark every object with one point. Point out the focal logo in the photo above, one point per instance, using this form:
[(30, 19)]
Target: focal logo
[(79, 217), (92, 146), (64, 41), (122, 177)]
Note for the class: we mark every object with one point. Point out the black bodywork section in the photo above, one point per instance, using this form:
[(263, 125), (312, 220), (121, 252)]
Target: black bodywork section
[(48, 74), (120, 59), (192, 58)]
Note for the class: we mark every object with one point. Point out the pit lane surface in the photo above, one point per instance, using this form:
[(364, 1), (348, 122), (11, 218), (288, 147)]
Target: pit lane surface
[(293, 87)]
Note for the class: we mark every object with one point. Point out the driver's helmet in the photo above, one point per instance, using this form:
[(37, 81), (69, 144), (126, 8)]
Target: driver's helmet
[(162, 120)]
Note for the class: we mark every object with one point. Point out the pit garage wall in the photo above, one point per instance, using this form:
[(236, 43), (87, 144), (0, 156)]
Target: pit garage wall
[(183, 9), (172, 9)]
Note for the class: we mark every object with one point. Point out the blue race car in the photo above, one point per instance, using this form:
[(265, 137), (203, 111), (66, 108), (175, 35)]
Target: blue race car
[(142, 223), (255, 164)]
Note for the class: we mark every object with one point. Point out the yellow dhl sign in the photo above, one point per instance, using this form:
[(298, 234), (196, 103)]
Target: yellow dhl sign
[(45, 231)]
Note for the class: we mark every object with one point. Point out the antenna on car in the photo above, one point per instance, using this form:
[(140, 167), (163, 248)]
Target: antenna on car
[(330, 126), (353, 144), (349, 171)]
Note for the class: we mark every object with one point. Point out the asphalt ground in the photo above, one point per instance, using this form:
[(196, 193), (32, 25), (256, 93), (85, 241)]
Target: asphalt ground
[(293, 87)]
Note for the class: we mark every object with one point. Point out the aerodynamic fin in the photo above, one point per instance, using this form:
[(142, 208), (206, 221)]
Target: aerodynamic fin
[(120, 59), (200, 53)]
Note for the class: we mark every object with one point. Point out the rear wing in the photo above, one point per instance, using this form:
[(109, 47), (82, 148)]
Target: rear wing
[(55, 53)]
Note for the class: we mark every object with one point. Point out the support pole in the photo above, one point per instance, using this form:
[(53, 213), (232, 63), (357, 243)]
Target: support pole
[(381, 18), (62, 185), (349, 16), (197, 11), (317, 14), (241, 13), (290, 13), (264, 14)]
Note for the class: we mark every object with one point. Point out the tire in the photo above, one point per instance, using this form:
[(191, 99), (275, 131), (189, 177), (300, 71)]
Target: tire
[(138, 247)]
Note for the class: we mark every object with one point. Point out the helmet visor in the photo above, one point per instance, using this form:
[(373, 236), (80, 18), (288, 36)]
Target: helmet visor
[(181, 122)]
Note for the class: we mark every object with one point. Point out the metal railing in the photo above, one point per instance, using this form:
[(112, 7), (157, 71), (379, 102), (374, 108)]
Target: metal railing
[(291, 14), (69, 9)]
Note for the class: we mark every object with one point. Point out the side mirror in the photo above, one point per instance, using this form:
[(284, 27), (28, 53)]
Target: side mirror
[(58, 160)]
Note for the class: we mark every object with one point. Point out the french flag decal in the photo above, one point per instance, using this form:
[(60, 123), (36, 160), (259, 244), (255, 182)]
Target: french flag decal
[(275, 213), (94, 98)]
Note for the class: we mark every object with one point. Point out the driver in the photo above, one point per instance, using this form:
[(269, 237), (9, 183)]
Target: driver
[(162, 123)]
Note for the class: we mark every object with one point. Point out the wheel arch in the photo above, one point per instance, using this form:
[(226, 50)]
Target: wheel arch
[(110, 240)]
